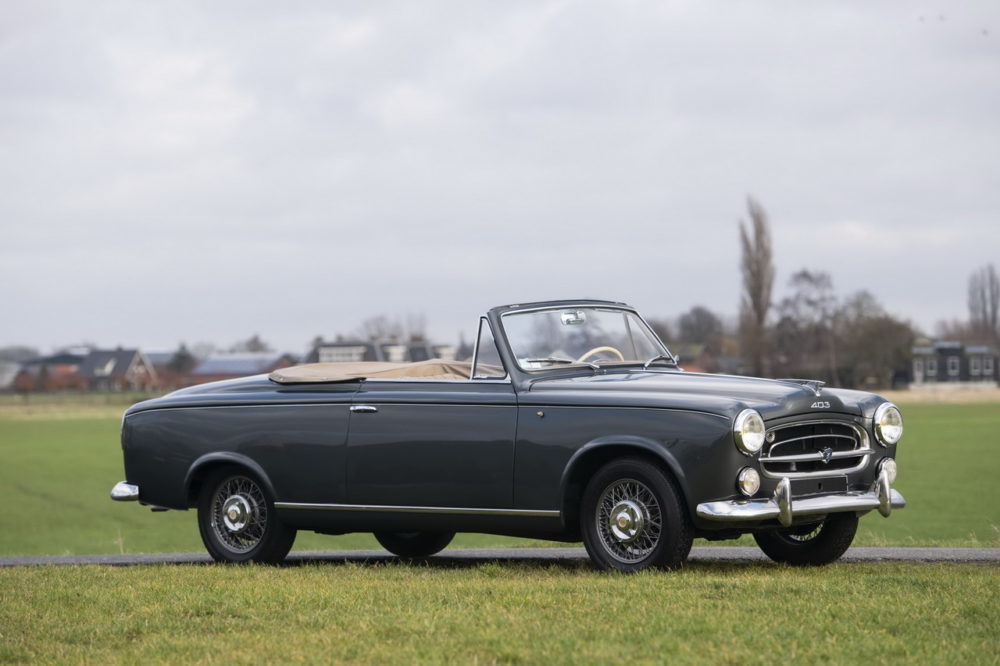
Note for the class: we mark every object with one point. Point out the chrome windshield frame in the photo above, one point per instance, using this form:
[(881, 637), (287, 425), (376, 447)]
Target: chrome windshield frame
[(583, 306)]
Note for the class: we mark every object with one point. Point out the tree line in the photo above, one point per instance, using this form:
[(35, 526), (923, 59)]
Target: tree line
[(851, 341), (810, 332)]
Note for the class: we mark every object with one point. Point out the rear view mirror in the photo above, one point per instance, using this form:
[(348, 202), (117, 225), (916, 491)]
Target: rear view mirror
[(573, 317)]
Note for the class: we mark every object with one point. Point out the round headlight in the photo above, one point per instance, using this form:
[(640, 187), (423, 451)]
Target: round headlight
[(748, 431), (748, 481), (888, 423), (888, 465)]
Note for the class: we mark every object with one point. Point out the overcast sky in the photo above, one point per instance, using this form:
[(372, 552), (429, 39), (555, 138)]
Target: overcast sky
[(204, 171)]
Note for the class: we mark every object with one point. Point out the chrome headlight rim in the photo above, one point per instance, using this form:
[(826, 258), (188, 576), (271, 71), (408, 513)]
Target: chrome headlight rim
[(749, 440), (883, 434)]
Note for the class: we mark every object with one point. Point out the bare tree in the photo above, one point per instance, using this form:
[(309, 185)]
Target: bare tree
[(18, 353), (183, 360), (874, 345), (202, 350), (758, 279), (251, 344), (662, 329), (955, 329), (381, 327), (416, 327), (984, 302), (806, 327), (701, 325)]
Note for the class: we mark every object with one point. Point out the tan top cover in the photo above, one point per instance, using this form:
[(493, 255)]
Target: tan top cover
[(310, 373)]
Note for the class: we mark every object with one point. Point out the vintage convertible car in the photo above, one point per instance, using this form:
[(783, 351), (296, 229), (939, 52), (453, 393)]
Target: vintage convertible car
[(572, 421)]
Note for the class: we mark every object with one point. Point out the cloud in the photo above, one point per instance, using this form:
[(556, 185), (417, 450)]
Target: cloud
[(203, 168)]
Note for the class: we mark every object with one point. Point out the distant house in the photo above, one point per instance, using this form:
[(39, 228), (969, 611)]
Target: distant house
[(344, 352), (948, 362), (230, 366), (350, 351), (57, 372), (169, 378), (8, 373), (117, 370)]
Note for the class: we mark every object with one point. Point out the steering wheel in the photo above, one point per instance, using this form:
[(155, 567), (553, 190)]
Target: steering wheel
[(595, 350)]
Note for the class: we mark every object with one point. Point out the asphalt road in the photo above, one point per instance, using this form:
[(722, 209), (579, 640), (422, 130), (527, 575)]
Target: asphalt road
[(459, 557)]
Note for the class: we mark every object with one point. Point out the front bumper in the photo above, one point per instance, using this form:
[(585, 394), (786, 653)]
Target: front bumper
[(782, 507), (125, 492)]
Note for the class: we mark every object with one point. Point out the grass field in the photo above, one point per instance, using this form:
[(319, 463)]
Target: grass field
[(488, 613), (61, 457)]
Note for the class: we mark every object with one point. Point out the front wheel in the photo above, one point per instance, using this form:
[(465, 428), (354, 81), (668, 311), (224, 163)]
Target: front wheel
[(414, 544), (237, 520), (632, 518), (810, 545)]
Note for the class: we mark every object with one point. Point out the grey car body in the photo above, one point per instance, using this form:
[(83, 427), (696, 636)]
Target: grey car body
[(514, 452)]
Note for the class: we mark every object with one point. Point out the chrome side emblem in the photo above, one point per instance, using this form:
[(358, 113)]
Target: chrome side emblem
[(827, 455)]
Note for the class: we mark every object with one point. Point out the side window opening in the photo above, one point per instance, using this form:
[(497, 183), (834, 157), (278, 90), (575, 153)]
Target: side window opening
[(486, 363)]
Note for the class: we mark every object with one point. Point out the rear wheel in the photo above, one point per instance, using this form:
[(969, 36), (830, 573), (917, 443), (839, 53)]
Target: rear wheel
[(237, 520), (632, 518), (810, 545), (414, 544)]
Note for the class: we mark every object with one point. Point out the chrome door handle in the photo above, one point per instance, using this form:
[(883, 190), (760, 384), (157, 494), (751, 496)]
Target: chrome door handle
[(366, 409)]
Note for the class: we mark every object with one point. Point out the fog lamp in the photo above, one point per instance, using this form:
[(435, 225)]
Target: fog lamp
[(888, 465), (748, 431), (748, 481), (888, 423)]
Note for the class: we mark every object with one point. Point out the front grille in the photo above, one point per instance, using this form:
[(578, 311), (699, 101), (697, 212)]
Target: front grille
[(813, 449)]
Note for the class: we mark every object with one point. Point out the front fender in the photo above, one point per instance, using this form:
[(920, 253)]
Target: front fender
[(635, 442), (202, 464)]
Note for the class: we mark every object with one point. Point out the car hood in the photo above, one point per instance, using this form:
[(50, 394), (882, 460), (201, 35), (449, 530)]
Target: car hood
[(725, 395)]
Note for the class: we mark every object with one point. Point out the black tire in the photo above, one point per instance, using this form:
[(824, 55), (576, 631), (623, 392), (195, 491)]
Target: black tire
[(652, 527), (414, 544), (252, 531), (810, 545)]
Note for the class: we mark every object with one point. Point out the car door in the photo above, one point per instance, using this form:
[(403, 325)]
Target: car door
[(414, 443)]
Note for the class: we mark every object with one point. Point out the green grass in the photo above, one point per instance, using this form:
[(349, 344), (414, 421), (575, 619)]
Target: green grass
[(491, 613), (59, 462)]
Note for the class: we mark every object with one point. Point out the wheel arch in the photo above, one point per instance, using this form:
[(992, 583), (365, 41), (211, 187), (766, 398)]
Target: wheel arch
[(595, 454), (205, 465)]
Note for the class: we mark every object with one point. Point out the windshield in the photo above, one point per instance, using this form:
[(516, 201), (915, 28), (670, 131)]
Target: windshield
[(579, 336)]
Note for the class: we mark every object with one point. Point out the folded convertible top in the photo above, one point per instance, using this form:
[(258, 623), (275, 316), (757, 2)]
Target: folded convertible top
[(311, 373)]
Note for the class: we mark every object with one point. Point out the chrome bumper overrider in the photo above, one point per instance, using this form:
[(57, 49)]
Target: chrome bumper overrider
[(782, 507), (125, 492)]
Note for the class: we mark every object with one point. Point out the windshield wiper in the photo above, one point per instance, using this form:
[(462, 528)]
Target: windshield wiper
[(553, 359), (659, 357)]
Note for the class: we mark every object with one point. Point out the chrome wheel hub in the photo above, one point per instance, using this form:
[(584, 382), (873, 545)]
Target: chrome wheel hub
[(627, 521), (239, 514), (236, 513)]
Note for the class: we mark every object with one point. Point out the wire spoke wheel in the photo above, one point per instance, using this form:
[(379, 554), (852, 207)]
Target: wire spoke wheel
[(239, 514), (632, 517), (803, 534), (629, 520), (815, 544)]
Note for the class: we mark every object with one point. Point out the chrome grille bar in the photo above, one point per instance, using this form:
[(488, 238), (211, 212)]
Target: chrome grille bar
[(804, 457), (822, 450)]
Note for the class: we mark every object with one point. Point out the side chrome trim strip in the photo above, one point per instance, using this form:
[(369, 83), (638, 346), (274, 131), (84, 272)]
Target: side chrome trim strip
[(538, 513)]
